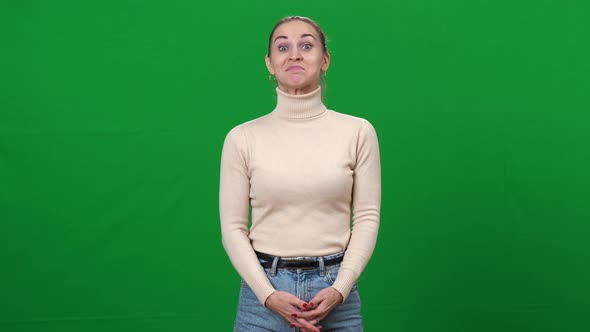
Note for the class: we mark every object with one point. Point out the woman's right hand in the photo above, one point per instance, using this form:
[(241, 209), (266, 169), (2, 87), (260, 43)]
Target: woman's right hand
[(289, 307)]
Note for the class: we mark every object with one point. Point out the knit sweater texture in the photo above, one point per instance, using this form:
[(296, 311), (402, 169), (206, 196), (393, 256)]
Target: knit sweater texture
[(312, 180)]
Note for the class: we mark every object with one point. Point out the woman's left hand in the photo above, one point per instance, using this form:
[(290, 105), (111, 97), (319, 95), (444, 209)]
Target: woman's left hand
[(321, 305)]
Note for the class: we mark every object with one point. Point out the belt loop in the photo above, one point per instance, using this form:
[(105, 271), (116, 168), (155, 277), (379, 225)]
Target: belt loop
[(273, 269), (322, 267)]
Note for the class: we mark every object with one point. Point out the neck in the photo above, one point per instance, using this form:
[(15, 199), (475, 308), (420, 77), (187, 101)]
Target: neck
[(298, 91), (299, 106)]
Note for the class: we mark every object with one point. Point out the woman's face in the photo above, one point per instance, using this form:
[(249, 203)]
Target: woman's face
[(297, 57)]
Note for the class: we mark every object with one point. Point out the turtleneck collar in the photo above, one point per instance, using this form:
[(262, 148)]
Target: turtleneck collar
[(303, 106)]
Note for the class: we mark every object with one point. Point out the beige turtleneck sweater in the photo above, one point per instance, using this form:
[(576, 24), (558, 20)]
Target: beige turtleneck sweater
[(305, 171)]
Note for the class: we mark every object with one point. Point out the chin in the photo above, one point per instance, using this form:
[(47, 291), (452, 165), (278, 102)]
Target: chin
[(299, 85)]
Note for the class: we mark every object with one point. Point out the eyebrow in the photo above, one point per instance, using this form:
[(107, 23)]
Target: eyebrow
[(303, 35)]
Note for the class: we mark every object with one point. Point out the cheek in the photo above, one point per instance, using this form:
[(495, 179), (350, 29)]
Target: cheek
[(320, 61), (277, 61), (275, 64)]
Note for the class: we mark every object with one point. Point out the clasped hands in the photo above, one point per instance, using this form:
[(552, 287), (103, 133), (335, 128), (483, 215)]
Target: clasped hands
[(298, 313)]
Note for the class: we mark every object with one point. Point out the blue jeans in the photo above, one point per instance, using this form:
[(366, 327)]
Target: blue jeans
[(252, 316)]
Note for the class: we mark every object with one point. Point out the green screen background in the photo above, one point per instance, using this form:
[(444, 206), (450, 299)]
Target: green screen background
[(113, 115)]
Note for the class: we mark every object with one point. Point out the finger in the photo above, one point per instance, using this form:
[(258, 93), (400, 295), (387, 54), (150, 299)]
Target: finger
[(319, 327), (285, 304), (310, 314), (317, 299), (304, 324), (302, 305), (327, 297), (296, 303), (318, 313), (301, 328), (313, 303)]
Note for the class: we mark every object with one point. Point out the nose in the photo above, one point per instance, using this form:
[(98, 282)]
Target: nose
[(295, 54)]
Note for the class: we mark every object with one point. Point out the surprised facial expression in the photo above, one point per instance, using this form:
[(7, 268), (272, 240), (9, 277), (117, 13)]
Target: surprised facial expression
[(297, 57)]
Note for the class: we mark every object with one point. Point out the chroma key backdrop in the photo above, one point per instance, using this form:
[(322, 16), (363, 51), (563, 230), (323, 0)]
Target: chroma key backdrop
[(112, 120)]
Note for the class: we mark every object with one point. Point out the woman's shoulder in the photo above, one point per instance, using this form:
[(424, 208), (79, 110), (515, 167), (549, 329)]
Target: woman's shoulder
[(352, 120), (250, 124)]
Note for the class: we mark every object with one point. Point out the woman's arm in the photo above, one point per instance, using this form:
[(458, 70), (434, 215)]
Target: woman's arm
[(234, 205), (366, 206)]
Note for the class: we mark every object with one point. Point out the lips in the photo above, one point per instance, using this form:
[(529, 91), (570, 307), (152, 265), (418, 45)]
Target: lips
[(291, 68)]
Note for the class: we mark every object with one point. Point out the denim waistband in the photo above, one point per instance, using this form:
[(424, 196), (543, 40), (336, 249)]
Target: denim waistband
[(301, 262)]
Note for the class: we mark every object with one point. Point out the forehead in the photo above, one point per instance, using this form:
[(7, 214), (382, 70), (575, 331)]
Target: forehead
[(295, 29)]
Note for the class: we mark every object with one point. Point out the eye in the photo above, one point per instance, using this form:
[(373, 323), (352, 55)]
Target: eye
[(307, 46), (282, 48)]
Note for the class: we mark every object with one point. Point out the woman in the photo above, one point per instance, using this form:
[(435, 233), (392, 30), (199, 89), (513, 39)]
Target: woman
[(303, 170)]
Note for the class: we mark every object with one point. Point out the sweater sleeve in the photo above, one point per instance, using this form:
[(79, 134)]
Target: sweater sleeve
[(366, 205), (234, 206)]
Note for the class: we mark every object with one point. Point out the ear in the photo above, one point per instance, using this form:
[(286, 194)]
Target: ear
[(269, 65), (326, 62)]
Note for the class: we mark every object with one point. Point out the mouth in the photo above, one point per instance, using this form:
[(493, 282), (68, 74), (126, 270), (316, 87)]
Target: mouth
[(294, 68)]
